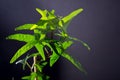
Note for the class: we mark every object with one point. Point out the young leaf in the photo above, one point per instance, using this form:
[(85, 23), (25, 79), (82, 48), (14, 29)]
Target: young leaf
[(43, 13), (51, 15), (73, 61), (22, 37), (25, 27), (22, 50)]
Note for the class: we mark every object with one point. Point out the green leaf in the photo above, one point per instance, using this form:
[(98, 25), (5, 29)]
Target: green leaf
[(43, 13), (67, 19), (39, 35), (72, 15), (67, 44), (39, 67), (33, 75), (25, 27), (42, 36), (54, 57), (22, 50), (51, 15), (39, 78), (58, 50), (65, 26), (22, 37), (74, 62), (33, 27), (33, 54), (39, 47), (26, 77)]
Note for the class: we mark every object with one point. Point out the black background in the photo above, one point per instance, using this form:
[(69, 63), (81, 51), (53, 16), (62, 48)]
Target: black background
[(98, 25)]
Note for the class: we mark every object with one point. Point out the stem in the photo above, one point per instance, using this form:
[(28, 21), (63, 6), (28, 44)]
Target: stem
[(34, 62), (29, 66)]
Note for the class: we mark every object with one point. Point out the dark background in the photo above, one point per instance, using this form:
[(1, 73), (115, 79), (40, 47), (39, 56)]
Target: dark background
[(98, 25)]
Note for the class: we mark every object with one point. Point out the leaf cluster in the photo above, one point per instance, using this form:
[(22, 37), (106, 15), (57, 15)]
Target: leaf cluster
[(49, 49)]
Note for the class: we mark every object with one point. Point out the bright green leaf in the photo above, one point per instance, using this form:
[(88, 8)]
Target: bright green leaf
[(67, 19), (43, 13), (53, 59), (74, 62), (42, 36), (33, 27), (67, 44), (22, 50), (25, 27), (72, 15), (22, 37), (33, 75), (51, 15), (39, 47)]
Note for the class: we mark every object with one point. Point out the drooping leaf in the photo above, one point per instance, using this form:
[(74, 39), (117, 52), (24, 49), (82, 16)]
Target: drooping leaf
[(25, 27), (22, 37), (22, 50), (39, 47), (83, 43), (74, 62)]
